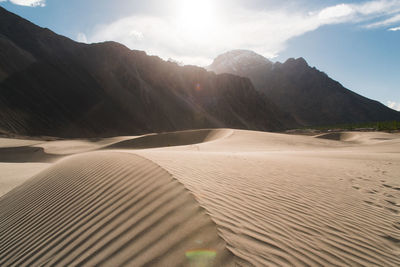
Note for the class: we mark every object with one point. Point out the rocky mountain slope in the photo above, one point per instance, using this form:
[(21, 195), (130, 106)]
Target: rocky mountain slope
[(306, 93), (51, 85)]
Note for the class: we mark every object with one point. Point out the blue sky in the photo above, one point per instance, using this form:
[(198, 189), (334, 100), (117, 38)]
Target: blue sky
[(354, 42)]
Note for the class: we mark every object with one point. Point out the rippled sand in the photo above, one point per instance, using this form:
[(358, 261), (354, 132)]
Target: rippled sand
[(202, 198)]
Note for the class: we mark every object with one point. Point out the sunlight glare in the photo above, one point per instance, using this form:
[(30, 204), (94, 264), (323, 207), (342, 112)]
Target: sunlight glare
[(196, 17)]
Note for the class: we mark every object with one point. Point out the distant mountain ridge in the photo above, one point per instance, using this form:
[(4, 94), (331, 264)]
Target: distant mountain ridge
[(306, 93), (51, 85)]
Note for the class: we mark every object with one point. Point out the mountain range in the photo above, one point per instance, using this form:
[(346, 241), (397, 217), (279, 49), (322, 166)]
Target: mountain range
[(306, 93), (51, 85)]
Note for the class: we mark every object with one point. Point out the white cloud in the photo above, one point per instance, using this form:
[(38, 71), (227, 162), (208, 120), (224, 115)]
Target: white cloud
[(81, 37), (31, 3), (264, 31), (395, 29), (393, 105), (336, 13), (389, 21), (378, 7)]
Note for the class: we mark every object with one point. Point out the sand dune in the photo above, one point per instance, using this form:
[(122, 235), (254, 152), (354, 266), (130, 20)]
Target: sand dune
[(181, 138), (106, 209), (68, 147), (360, 137), (8, 142), (284, 210), (229, 196), (308, 202)]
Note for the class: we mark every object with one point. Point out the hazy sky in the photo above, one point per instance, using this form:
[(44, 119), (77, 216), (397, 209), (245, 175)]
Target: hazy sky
[(354, 42)]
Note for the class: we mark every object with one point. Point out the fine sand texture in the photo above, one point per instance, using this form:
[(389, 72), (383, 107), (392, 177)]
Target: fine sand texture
[(202, 198)]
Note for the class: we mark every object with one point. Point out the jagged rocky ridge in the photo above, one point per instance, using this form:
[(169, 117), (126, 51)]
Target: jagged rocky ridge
[(308, 94)]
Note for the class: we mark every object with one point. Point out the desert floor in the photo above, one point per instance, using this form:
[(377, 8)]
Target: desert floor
[(202, 198)]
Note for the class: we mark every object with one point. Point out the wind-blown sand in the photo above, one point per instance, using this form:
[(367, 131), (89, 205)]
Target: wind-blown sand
[(205, 197)]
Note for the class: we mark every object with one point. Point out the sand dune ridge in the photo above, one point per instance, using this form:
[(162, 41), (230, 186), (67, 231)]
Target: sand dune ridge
[(104, 208)]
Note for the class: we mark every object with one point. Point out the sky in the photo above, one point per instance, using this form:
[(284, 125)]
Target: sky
[(355, 42)]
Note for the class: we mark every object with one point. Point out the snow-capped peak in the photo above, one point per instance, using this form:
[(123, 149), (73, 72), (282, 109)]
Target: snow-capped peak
[(238, 59)]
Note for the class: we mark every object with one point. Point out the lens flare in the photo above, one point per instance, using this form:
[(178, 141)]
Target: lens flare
[(201, 257)]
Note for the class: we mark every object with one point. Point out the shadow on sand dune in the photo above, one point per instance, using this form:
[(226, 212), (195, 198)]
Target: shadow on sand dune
[(26, 154), (181, 138), (360, 137), (331, 136)]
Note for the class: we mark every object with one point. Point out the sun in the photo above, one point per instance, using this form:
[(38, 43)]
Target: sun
[(196, 16)]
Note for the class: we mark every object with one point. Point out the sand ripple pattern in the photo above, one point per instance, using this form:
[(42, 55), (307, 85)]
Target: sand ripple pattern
[(105, 208), (287, 211)]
